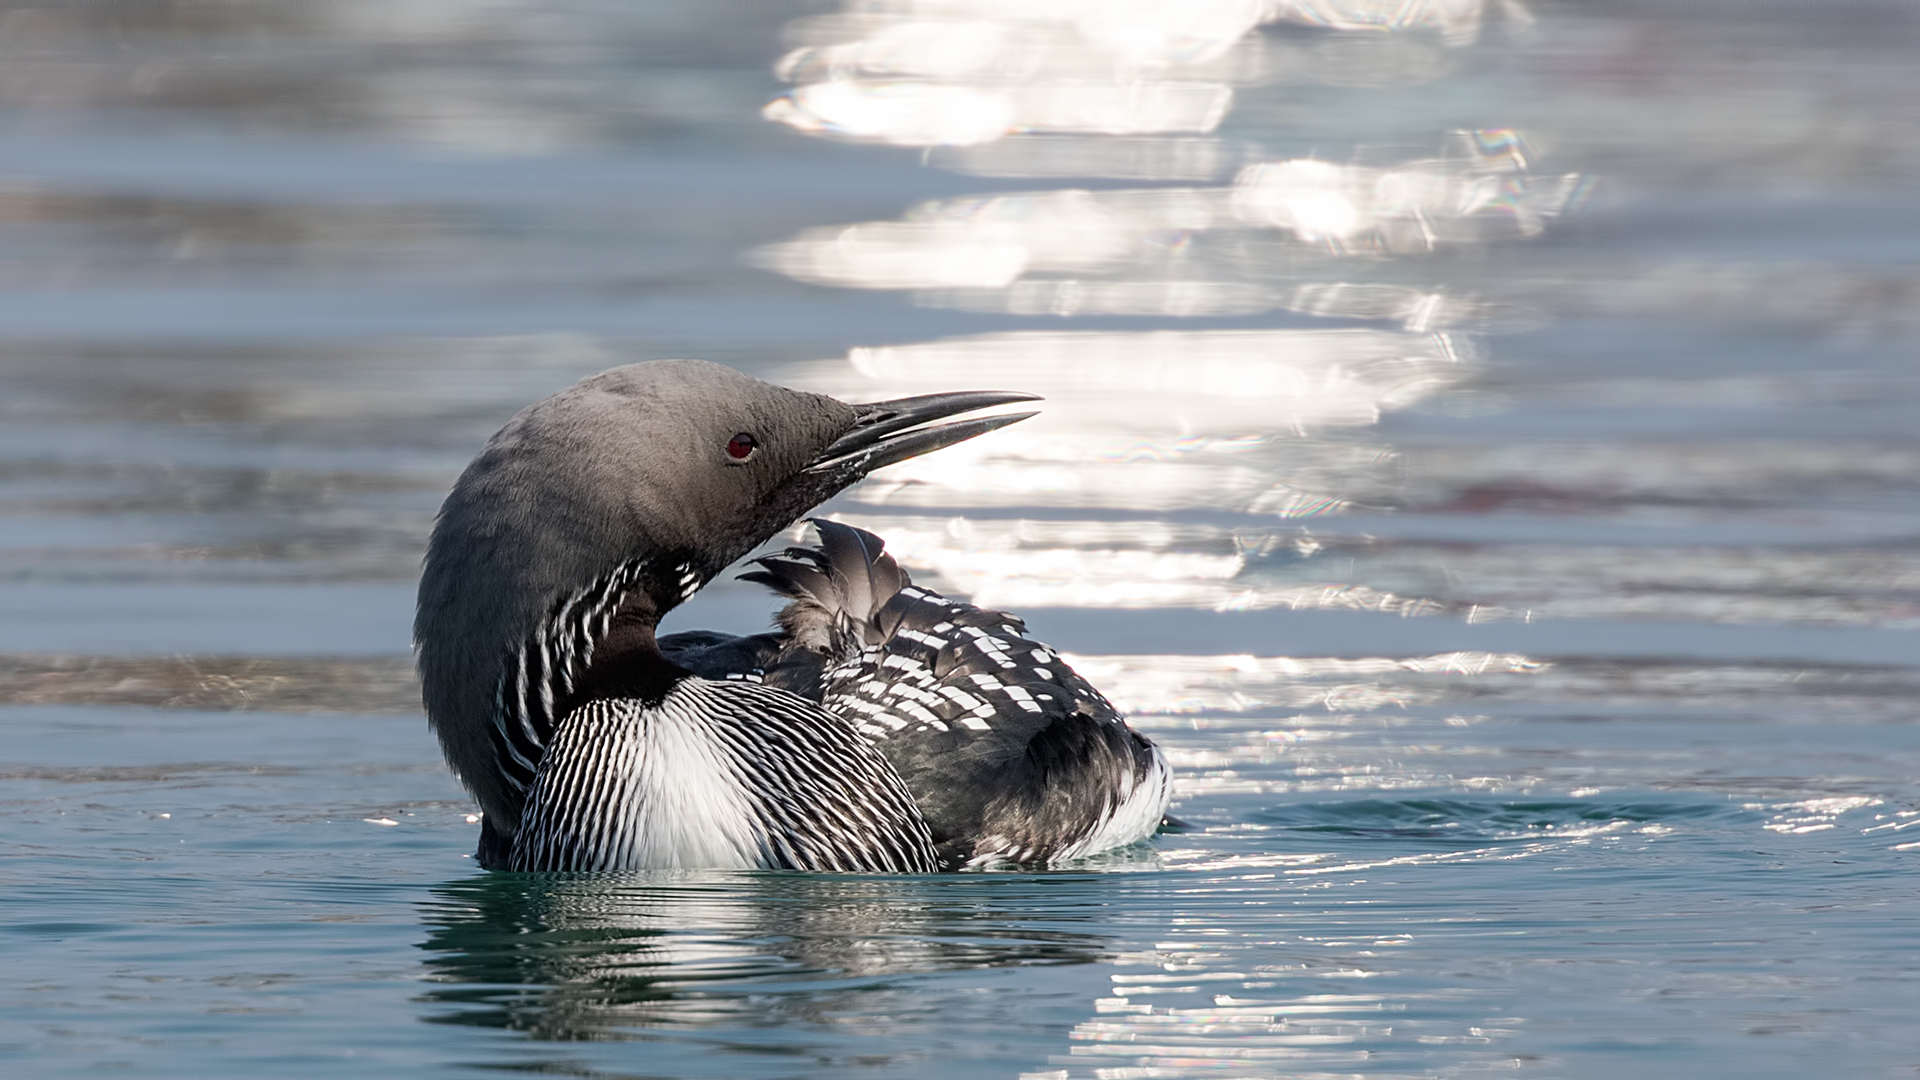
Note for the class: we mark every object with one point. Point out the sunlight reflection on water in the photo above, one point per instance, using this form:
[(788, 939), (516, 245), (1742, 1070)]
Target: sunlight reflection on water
[(927, 73), (1189, 252), (1226, 421), (1153, 421)]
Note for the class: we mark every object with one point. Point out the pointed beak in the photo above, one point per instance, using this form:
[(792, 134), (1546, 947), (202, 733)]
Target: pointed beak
[(883, 433), (889, 432)]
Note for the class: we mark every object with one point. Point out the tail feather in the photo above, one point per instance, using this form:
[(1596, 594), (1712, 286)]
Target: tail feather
[(796, 577), (860, 559), (836, 590)]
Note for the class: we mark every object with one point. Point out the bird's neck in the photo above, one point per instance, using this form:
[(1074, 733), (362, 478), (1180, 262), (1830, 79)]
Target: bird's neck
[(627, 663)]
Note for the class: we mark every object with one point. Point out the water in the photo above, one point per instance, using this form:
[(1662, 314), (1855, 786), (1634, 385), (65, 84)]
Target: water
[(1479, 447)]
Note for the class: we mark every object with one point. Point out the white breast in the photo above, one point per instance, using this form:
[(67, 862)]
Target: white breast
[(717, 775), (642, 789)]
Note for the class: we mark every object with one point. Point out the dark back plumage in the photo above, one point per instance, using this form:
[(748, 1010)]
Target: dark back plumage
[(1010, 754)]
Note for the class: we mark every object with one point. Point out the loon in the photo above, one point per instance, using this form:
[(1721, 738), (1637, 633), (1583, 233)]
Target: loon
[(881, 728)]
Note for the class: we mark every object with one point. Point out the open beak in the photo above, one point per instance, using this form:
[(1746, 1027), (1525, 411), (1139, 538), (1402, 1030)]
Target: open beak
[(889, 432)]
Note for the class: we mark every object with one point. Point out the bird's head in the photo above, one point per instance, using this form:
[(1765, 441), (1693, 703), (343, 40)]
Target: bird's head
[(641, 483)]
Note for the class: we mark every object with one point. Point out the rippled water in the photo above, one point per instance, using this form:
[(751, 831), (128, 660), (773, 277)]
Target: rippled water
[(1480, 446)]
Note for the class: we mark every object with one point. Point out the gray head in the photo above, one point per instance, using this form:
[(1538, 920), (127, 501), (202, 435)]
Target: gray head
[(645, 482)]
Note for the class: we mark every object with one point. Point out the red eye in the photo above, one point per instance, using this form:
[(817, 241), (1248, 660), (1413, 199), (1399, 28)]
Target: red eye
[(741, 446)]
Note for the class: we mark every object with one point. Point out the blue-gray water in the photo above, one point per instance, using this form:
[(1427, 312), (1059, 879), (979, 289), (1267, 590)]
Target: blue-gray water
[(1480, 446)]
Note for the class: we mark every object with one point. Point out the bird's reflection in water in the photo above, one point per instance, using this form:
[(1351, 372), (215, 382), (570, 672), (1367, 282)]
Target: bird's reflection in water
[(584, 956)]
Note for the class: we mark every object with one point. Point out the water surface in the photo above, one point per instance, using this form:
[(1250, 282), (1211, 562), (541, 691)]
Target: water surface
[(1479, 446)]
